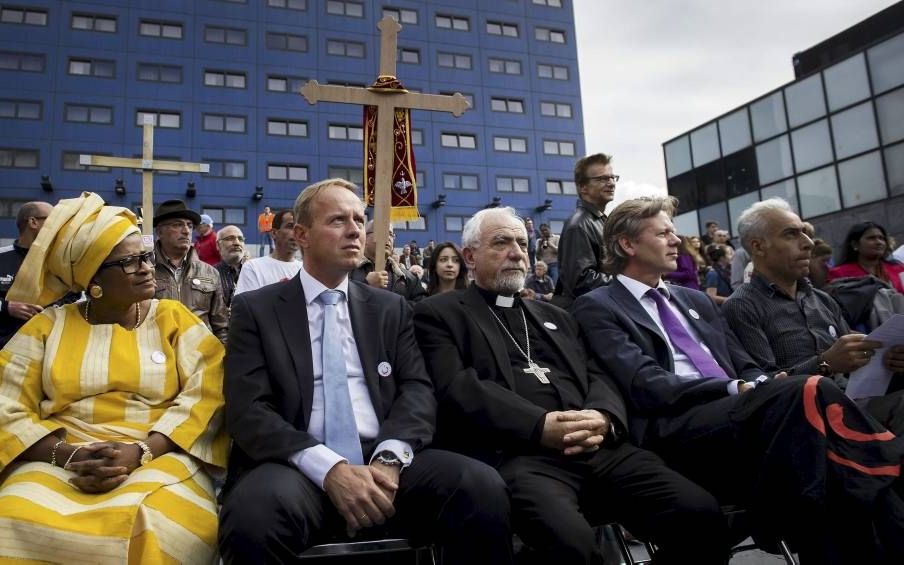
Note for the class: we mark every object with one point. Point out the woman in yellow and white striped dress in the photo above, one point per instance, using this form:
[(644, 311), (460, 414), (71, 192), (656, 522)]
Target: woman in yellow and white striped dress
[(110, 409)]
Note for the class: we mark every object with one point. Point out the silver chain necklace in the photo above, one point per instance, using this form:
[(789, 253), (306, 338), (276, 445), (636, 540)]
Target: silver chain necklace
[(532, 368)]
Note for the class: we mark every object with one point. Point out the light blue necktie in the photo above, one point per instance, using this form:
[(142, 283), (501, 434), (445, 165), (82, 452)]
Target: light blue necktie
[(340, 430)]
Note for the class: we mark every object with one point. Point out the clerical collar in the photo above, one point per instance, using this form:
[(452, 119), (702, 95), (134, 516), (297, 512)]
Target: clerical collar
[(494, 299)]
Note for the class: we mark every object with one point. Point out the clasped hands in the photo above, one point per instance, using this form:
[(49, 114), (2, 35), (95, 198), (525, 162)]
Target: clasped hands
[(575, 431), (363, 494), (104, 465)]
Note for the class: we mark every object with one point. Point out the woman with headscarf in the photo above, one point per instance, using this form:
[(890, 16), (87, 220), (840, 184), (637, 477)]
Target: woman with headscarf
[(866, 252), (110, 409)]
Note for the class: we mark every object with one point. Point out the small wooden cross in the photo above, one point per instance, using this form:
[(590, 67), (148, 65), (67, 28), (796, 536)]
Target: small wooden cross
[(148, 165), (386, 103)]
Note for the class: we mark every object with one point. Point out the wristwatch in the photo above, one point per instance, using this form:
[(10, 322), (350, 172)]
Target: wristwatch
[(822, 366), (146, 455), (388, 458)]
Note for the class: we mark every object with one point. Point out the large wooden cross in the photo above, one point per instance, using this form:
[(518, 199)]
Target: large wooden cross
[(148, 165), (386, 102)]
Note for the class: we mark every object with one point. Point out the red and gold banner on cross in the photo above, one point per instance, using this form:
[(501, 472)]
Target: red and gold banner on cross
[(404, 185)]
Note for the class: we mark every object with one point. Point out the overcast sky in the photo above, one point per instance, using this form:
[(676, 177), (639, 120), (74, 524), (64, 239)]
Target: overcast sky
[(653, 69)]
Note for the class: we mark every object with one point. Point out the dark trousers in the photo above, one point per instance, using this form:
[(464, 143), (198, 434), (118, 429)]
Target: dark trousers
[(804, 459), (556, 499), (274, 512)]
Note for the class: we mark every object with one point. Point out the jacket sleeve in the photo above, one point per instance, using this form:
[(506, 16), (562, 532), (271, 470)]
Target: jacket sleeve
[(578, 264), (686, 272), (219, 313)]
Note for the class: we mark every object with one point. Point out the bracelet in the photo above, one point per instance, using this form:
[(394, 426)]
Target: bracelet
[(71, 455), (53, 451)]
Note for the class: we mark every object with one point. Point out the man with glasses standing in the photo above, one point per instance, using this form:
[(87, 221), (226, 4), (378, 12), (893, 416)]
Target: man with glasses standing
[(180, 274), (231, 244), (581, 242), (13, 315)]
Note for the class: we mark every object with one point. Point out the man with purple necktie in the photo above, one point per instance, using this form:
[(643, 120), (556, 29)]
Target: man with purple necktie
[(801, 456)]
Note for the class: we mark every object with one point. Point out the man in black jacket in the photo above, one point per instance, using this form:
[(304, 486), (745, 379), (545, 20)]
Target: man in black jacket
[(581, 242), (516, 391)]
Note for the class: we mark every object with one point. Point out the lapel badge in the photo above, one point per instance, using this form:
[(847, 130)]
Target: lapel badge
[(693, 314), (833, 332), (550, 326), (196, 282), (158, 357), (384, 369)]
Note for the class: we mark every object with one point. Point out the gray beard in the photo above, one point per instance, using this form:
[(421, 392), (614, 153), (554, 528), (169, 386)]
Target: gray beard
[(509, 283)]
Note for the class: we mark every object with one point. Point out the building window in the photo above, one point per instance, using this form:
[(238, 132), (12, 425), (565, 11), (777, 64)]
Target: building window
[(469, 97), (555, 109), (550, 3), (453, 60), (300, 5), (417, 137), (455, 223), (224, 79), (290, 128), (513, 105), (347, 132), (83, 113), (456, 181), (401, 15), (502, 28), (28, 62), (505, 66), (225, 216), (171, 120), (226, 169), (165, 30), (512, 184), (345, 48), (227, 35), (154, 72), (351, 174), (556, 72), (457, 23), (92, 67), (27, 16), (287, 42), (551, 35), (552, 147), (225, 123), (20, 109), (287, 172), (411, 56), (279, 83), (93, 22), (459, 140), (419, 224), (345, 8), (18, 158), (554, 186), (71, 162), (510, 144)]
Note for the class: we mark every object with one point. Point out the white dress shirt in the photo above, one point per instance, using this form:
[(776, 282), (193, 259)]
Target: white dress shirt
[(315, 462), (683, 366)]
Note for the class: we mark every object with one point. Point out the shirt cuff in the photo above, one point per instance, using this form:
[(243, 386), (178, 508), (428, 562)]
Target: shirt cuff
[(733, 387), (401, 450), (315, 462)]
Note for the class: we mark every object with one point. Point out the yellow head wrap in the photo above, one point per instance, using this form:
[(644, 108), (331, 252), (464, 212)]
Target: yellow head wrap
[(75, 239)]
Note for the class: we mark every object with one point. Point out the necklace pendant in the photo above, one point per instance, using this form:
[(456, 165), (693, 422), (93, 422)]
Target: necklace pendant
[(538, 371)]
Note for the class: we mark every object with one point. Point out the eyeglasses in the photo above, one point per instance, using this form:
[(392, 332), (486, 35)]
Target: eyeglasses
[(233, 238), (604, 178), (179, 225), (131, 264), (40, 217)]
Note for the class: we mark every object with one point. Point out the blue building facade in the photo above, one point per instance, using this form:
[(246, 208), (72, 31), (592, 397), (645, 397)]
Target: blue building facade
[(221, 79)]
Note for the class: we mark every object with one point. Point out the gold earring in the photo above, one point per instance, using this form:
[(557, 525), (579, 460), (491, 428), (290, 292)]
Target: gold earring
[(95, 291)]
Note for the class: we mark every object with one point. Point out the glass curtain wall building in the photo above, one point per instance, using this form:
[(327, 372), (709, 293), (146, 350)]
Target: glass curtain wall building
[(830, 143), (220, 78)]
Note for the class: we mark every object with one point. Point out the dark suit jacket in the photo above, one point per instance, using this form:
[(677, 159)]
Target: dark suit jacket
[(630, 346), (466, 355), (269, 382), (580, 252)]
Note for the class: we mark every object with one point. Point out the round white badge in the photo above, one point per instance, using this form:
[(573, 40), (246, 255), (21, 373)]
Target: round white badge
[(158, 357), (833, 332), (694, 314), (196, 282), (550, 325), (384, 369)]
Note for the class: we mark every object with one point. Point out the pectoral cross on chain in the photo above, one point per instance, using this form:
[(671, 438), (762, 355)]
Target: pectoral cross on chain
[(538, 371)]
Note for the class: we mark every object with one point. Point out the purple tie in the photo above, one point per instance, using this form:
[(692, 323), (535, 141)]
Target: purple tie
[(683, 340)]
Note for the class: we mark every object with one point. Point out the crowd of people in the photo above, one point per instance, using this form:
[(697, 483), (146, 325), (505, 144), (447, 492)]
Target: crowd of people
[(188, 403)]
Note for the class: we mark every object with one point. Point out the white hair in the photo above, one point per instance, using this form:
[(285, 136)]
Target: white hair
[(470, 234), (752, 222)]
